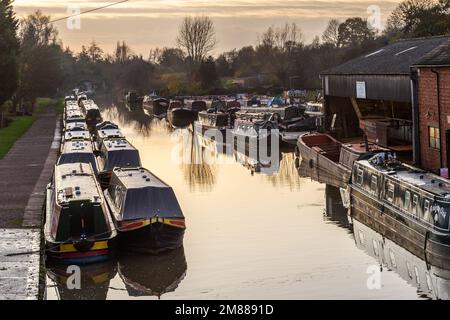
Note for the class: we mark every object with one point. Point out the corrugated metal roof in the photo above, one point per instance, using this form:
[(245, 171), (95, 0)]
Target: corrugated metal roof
[(394, 59)]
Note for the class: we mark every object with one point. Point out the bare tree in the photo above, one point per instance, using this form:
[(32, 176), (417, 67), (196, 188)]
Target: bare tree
[(331, 33), (197, 37)]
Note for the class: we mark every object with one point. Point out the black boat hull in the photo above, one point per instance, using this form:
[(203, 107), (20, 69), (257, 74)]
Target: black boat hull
[(153, 238), (180, 118)]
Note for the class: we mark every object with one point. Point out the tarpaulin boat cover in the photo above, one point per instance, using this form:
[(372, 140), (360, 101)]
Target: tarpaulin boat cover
[(151, 202), (122, 159)]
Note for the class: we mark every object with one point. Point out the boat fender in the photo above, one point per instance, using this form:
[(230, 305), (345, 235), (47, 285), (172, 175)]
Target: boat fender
[(83, 244)]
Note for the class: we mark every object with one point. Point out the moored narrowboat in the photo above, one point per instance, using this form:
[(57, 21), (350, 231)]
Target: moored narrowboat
[(329, 160), (105, 130), (155, 106), (410, 205), (180, 116), (91, 113), (78, 151), (115, 153), (78, 226), (145, 211)]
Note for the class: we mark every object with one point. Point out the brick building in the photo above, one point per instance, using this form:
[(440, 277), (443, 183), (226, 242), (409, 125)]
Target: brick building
[(433, 96)]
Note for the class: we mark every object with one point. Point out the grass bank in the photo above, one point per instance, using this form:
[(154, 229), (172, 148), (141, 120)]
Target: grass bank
[(20, 125)]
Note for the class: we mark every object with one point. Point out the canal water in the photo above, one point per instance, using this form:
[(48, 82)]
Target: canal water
[(250, 234)]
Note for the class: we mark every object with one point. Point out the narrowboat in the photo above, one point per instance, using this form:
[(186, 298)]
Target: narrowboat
[(115, 153), (409, 205), (75, 135), (329, 160), (289, 118), (145, 211), (78, 226), (77, 151), (91, 113), (73, 116), (75, 126), (197, 106), (106, 130), (152, 275), (255, 129), (180, 116), (156, 107), (219, 117)]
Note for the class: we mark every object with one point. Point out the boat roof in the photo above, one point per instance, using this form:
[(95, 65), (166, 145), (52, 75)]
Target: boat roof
[(117, 144), (76, 182), (110, 133), (74, 126), (413, 176), (133, 178), (147, 196), (89, 104), (81, 134), (77, 146)]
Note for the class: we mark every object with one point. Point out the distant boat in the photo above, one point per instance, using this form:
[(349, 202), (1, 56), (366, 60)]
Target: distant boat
[(155, 106), (92, 113), (145, 211), (78, 226), (180, 116)]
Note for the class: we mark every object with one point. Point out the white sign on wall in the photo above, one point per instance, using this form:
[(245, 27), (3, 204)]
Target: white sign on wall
[(361, 89)]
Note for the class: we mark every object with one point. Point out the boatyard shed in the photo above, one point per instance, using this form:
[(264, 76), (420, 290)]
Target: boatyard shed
[(375, 95), (433, 74)]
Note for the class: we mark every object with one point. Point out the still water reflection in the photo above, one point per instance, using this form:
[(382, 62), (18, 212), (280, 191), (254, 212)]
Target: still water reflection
[(250, 234)]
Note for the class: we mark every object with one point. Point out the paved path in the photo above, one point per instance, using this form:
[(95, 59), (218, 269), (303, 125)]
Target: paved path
[(21, 168), (24, 173)]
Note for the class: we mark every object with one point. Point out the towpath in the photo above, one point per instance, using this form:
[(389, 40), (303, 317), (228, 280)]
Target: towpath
[(24, 172)]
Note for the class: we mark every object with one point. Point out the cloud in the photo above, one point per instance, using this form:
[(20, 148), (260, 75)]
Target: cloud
[(238, 22)]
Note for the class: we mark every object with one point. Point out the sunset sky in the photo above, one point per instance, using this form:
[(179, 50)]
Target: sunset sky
[(144, 24)]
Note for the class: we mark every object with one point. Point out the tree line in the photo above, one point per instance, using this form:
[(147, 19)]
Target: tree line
[(34, 62)]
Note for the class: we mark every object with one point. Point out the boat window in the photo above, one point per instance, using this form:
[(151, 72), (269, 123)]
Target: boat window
[(374, 183), (390, 191), (407, 201), (414, 204), (426, 210), (359, 177)]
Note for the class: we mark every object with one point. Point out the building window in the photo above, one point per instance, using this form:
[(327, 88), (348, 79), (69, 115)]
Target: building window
[(435, 137)]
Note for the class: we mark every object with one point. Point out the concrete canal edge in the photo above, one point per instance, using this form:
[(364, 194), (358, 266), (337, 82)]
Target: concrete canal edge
[(22, 267)]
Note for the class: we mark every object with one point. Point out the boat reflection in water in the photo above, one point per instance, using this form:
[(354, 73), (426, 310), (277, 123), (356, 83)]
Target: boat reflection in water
[(147, 275), (94, 282), (431, 282)]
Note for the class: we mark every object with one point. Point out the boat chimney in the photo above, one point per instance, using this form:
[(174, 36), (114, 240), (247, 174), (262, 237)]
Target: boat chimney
[(366, 143)]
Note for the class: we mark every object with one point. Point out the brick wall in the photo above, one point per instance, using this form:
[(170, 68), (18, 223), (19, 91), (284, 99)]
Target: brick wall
[(428, 115)]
